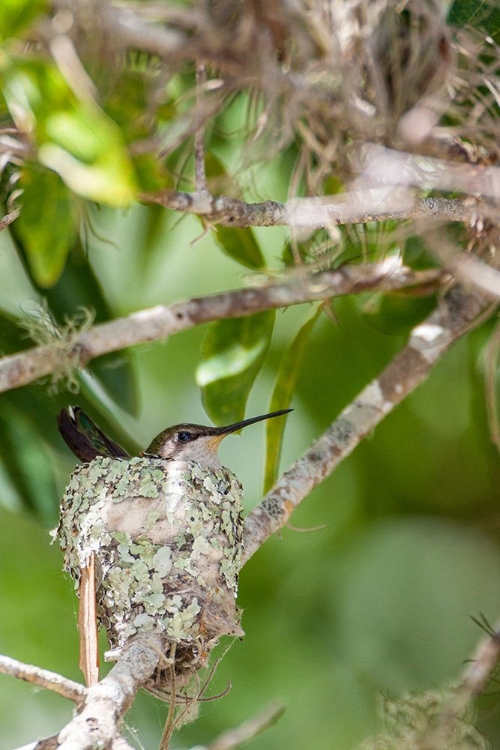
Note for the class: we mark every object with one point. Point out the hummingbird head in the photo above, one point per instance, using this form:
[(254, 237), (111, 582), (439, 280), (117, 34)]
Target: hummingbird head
[(196, 442)]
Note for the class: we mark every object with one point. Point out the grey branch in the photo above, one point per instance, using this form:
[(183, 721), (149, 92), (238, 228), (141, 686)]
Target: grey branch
[(105, 704), (159, 322), (44, 678), (9, 218), (249, 729), (358, 207), (457, 313)]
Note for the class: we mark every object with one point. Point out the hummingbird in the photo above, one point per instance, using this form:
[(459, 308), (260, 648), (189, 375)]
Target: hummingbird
[(154, 542), (187, 442)]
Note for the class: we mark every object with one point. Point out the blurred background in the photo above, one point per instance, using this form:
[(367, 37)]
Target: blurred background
[(382, 599), (376, 603)]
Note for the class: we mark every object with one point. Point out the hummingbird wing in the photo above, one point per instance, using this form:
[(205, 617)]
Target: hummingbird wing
[(85, 438)]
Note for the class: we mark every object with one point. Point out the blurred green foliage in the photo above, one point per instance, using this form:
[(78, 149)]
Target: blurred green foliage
[(233, 353), (377, 601)]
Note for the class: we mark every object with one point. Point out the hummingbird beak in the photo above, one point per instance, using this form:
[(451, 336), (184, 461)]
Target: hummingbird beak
[(221, 432)]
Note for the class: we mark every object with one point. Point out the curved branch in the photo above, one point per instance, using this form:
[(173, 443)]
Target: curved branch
[(162, 321), (457, 314)]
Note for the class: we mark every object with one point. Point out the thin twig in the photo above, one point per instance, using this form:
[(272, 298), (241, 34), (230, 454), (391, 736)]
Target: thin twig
[(69, 689), (249, 729), (200, 179), (9, 218), (455, 316), (465, 267), (474, 681), (481, 666), (159, 322)]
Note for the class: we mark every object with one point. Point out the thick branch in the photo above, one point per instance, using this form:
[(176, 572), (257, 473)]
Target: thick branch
[(162, 321), (98, 724), (457, 313), (359, 207)]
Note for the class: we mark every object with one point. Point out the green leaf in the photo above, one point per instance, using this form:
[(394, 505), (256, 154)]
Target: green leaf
[(27, 462), (416, 254), (232, 355), (115, 373), (86, 149), (46, 225), (13, 338), (240, 245), (480, 14), (396, 314), (152, 173), (16, 15), (75, 137), (236, 242), (219, 180), (282, 395), (79, 287)]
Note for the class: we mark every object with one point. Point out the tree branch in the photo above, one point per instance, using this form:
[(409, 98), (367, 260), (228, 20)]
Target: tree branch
[(9, 218), (105, 704), (233, 738), (358, 207), (162, 321), (457, 313), (98, 723), (482, 665), (44, 678)]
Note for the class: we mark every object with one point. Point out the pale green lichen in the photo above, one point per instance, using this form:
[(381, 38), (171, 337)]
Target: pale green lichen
[(167, 536)]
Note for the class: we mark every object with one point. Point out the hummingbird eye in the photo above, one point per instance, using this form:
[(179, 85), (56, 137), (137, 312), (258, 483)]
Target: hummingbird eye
[(184, 437)]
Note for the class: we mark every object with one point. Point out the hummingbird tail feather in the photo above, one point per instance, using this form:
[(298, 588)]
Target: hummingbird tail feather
[(84, 438)]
